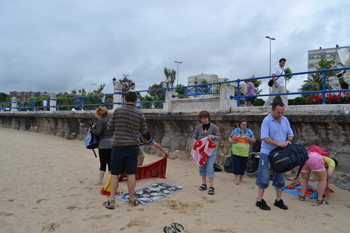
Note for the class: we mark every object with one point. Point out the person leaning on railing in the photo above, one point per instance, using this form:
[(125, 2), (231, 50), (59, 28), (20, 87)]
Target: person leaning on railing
[(105, 141)]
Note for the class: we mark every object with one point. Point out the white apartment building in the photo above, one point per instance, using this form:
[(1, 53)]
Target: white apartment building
[(211, 78), (315, 55)]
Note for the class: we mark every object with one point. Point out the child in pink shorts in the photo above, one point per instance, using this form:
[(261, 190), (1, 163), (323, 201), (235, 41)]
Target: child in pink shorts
[(314, 164)]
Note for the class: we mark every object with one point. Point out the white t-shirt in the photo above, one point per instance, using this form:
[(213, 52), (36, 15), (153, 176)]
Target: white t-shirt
[(44, 102), (278, 70)]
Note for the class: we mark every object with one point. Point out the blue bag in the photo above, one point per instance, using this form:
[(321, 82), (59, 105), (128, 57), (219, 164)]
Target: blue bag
[(91, 141), (285, 159)]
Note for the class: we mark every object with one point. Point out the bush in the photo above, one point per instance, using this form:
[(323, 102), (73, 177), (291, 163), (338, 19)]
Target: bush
[(297, 101), (341, 98), (259, 102)]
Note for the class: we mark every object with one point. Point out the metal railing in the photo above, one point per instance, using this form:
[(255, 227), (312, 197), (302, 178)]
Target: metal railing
[(194, 90)]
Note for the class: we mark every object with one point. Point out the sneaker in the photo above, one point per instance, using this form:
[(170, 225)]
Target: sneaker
[(280, 205), (262, 205)]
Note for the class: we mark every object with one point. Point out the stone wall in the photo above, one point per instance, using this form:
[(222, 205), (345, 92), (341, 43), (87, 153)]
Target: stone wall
[(174, 131)]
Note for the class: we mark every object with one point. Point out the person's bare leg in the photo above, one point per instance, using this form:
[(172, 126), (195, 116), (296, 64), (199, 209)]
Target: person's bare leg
[(211, 182), (131, 186), (304, 178), (204, 180), (322, 183), (236, 180), (100, 181), (278, 194), (114, 184), (140, 160), (260, 193), (241, 179)]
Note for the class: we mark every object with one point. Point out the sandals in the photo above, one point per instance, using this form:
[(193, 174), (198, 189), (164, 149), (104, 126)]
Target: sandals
[(203, 187), (108, 203), (134, 202), (301, 198), (175, 227), (321, 202), (211, 191), (178, 227)]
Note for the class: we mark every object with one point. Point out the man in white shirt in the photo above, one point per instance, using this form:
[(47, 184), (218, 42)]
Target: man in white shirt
[(44, 104), (278, 83)]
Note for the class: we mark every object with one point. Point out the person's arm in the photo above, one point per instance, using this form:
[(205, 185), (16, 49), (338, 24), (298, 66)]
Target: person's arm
[(161, 148), (195, 134), (276, 143), (232, 141), (290, 134), (97, 130), (216, 135), (110, 124), (251, 136)]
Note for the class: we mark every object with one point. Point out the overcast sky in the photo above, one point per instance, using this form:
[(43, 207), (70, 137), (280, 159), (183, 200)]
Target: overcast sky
[(58, 46)]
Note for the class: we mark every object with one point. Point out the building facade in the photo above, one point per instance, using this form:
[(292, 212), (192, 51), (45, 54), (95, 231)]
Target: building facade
[(314, 56), (197, 79), (24, 96)]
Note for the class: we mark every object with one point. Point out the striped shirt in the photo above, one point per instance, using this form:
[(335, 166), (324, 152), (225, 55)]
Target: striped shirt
[(127, 122)]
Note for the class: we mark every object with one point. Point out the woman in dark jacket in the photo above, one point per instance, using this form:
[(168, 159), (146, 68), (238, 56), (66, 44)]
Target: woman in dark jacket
[(105, 140)]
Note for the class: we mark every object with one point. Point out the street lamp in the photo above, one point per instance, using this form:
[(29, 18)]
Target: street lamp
[(270, 38), (177, 72), (114, 80)]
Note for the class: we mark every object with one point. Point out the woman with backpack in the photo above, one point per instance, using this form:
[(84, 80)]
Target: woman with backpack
[(105, 140), (240, 138)]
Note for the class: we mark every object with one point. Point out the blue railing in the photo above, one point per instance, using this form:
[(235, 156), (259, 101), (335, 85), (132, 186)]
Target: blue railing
[(193, 90)]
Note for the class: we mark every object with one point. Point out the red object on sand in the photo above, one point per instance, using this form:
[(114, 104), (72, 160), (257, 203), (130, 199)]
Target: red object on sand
[(152, 170), (318, 150)]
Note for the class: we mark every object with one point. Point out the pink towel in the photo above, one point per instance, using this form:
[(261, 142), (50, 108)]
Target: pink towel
[(201, 150)]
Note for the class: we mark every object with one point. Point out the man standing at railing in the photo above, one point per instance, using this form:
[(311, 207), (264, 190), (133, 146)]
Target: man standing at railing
[(278, 83)]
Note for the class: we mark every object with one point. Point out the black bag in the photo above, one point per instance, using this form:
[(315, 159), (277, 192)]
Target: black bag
[(285, 159), (270, 83), (228, 166), (91, 141), (217, 168)]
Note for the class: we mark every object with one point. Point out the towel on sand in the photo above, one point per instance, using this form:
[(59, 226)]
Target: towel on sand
[(311, 193)]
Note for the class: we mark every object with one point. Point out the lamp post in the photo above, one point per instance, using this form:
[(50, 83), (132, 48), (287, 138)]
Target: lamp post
[(270, 38), (114, 80), (177, 71)]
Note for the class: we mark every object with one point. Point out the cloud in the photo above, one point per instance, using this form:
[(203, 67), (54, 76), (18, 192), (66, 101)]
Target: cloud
[(58, 46)]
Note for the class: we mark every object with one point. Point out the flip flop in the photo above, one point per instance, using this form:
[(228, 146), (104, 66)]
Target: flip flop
[(108, 205), (178, 227), (301, 198), (168, 230), (135, 202), (322, 202)]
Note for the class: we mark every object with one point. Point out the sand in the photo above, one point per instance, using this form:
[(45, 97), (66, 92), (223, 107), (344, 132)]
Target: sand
[(48, 185)]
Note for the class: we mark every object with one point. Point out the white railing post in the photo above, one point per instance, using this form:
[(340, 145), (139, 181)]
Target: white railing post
[(14, 104), (117, 98), (168, 105), (226, 104), (52, 102)]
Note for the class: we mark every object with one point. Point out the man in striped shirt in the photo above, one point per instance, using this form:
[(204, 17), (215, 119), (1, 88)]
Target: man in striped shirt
[(127, 122)]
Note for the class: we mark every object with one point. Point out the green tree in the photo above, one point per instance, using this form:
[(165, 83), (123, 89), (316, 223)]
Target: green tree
[(288, 71), (309, 86), (4, 98), (204, 81), (157, 95), (170, 76), (127, 84), (180, 91)]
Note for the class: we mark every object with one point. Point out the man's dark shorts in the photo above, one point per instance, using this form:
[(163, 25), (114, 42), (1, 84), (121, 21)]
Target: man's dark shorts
[(124, 158)]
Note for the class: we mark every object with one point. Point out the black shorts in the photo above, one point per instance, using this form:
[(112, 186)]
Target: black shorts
[(124, 158)]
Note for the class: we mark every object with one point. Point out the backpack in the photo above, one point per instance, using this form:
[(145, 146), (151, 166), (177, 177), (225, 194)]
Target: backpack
[(217, 168), (228, 166), (285, 159), (91, 141), (318, 150)]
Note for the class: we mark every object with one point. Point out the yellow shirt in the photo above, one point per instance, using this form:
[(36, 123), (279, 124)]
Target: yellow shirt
[(328, 161)]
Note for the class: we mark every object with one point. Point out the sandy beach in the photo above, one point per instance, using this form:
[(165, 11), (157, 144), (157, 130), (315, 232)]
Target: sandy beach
[(48, 185)]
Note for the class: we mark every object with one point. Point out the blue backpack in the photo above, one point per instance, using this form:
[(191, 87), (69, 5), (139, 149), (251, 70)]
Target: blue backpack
[(91, 141), (285, 159)]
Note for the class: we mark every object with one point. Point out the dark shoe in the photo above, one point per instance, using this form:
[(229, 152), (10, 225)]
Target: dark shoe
[(168, 230), (211, 191), (262, 205), (280, 205), (177, 227), (203, 187)]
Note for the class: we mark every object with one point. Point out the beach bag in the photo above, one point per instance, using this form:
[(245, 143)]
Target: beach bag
[(228, 166), (91, 141), (318, 150), (285, 159), (217, 168)]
